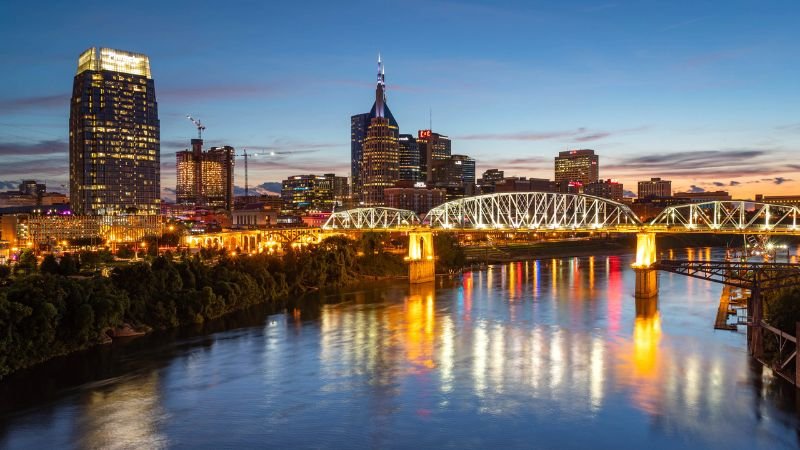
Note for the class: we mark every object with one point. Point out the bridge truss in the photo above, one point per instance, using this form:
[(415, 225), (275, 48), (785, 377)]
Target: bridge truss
[(728, 216), (371, 218), (533, 211), (738, 274)]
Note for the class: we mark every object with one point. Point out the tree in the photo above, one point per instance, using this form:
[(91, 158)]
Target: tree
[(50, 265), (449, 254), (68, 266), (27, 263)]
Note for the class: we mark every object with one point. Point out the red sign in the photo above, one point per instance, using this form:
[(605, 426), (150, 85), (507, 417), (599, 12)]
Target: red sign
[(424, 134)]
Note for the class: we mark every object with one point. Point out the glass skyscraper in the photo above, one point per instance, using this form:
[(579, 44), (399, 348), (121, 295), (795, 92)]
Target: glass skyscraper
[(114, 135)]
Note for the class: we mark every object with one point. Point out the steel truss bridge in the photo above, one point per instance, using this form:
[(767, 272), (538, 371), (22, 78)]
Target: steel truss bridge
[(530, 212), (556, 212)]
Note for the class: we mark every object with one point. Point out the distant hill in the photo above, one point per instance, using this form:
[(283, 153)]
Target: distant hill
[(268, 188)]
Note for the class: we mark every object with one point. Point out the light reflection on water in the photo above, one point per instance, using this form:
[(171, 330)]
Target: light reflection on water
[(555, 352)]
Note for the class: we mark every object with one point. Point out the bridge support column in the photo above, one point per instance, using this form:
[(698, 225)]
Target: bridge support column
[(646, 275), (755, 337), (646, 283), (421, 260)]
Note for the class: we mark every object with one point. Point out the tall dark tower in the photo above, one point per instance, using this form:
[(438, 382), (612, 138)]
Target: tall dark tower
[(114, 135), (359, 124), (380, 160)]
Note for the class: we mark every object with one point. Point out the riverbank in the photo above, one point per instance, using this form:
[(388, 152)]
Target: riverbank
[(45, 314)]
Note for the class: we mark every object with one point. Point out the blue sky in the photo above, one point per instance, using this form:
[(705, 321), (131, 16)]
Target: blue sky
[(704, 93)]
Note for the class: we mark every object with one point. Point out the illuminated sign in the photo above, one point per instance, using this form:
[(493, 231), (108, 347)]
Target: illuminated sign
[(424, 134)]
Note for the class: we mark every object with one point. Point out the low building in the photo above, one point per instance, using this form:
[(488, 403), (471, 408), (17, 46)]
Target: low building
[(655, 188), (609, 189), (317, 192), (486, 183), (522, 184), (705, 196), (789, 200), (315, 220), (648, 208), (417, 197), (254, 215)]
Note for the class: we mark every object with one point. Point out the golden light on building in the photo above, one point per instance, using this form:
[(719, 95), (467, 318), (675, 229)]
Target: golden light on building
[(114, 135)]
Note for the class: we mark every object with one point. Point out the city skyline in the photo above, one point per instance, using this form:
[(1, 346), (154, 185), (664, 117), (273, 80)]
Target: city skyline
[(657, 91)]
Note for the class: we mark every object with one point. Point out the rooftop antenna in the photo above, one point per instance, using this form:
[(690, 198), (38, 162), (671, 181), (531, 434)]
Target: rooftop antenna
[(199, 125), (430, 119)]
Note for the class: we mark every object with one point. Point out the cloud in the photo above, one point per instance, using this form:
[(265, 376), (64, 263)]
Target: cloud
[(524, 136), (781, 180), (789, 127), (681, 24), (267, 188), (9, 185), (15, 105), (713, 164), (580, 134), (220, 91), (695, 189), (734, 183), (719, 184), (707, 59), (45, 147)]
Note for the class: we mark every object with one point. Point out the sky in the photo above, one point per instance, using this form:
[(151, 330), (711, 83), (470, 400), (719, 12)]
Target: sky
[(704, 93)]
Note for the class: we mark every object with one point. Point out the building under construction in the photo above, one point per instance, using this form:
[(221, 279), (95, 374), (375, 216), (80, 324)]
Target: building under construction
[(205, 178)]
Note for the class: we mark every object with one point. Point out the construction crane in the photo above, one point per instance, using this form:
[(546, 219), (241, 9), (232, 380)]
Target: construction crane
[(199, 125), (246, 183)]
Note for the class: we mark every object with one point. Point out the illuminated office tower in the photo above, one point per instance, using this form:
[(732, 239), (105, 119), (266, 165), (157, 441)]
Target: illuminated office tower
[(432, 147), (580, 166), (409, 158), (359, 125), (114, 149), (380, 161)]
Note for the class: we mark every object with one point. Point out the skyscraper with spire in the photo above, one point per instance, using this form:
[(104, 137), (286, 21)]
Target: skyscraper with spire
[(380, 159), (371, 175)]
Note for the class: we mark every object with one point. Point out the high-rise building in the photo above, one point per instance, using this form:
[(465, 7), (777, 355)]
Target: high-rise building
[(609, 189), (114, 138), (205, 178), (655, 188), (581, 166), (409, 158), (380, 159), (314, 192), (432, 147), (359, 125)]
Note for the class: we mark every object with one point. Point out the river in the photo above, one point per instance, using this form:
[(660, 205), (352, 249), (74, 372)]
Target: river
[(552, 353)]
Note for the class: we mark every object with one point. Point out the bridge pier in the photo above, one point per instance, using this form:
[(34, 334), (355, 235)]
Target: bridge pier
[(755, 336), (421, 260), (646, 275)]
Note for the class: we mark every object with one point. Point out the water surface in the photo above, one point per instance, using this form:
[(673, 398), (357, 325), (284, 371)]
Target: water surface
[(540, 354)]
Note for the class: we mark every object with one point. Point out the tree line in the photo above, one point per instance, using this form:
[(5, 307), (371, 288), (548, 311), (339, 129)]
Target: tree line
[(58, 307)]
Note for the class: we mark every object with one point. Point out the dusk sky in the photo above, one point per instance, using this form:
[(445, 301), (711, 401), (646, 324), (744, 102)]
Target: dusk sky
[(705, 93)]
